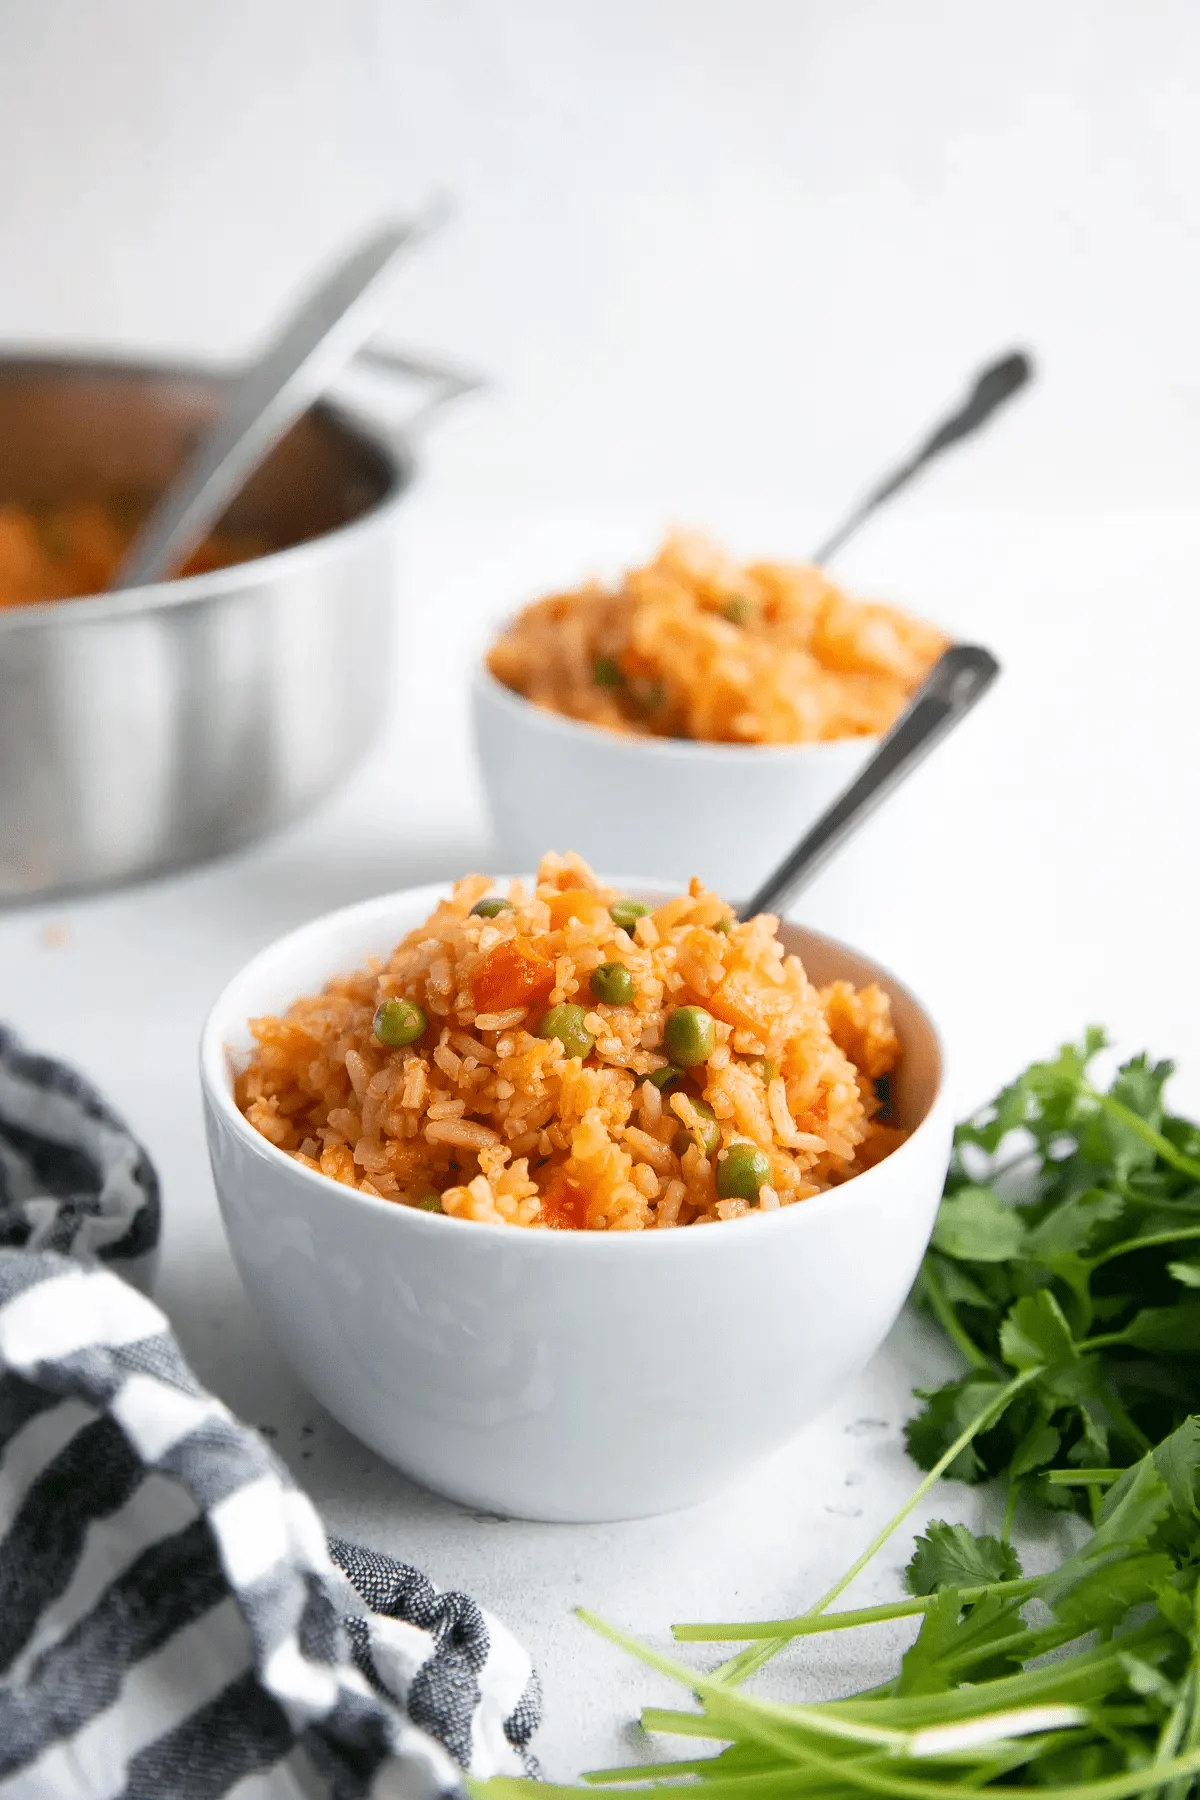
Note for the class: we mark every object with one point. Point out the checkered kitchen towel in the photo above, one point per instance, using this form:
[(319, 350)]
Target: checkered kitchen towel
[(173, 1623)]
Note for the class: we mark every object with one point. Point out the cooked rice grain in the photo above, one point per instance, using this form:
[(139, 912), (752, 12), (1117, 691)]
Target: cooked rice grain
[(503, 1127)]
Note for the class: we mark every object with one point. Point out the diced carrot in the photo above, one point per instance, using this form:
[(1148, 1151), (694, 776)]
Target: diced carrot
[(513, 974), (564, 1205), (742, 1001), (575, 903)]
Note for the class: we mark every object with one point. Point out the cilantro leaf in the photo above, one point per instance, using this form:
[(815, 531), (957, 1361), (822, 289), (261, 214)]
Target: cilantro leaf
[(1139, 1086), (1148, 1681), (1036, 1449), (1169, 1329), (951, 1556), (1132, 1508), (1177, 1460), (947, 1412), (1102, 1597), (975, 1225), (1090, 1449), (1036, 1335), (959, 1288), (922, 1668), (1070, 1227), (1176, 1608)]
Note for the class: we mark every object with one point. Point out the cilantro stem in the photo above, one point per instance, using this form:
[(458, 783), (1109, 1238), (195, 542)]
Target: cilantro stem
[(1125, 1115), (1029, 1643), (948, 1319), (1190, 1699), (1150, 1242), (811, 1624), (986, 1416), (1170, 1736), (1088, 1675), (767, 1722), (1083, 1477), (674, 1723), (1114, 1787), (645, 1772), (1155, 1202), (748, 1662)]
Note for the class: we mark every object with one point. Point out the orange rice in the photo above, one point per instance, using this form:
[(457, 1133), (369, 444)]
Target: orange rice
[(482, 1118), (698, 646), (66, 551)]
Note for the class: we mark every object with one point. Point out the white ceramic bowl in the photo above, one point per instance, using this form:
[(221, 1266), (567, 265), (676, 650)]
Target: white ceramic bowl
[(726, 812), (565, 1375)]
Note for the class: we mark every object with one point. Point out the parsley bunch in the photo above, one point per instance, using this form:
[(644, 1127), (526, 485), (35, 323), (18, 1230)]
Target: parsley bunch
[(1060, 1268)]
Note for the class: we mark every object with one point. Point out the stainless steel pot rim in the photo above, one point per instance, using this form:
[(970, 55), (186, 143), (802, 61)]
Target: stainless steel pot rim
[(389, 445)]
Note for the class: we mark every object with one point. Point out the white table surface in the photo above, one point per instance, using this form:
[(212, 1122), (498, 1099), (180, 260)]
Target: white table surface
[(1038, 874)]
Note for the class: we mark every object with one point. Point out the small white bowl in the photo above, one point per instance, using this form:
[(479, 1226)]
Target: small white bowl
[(673, 809), (565, 1375)]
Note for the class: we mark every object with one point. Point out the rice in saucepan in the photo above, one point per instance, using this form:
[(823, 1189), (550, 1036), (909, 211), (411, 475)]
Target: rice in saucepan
[(483, 1118), (696, 645)]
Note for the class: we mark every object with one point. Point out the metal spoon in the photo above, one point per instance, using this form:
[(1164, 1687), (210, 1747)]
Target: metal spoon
[(993, 386), (960, 677), (316, 344)]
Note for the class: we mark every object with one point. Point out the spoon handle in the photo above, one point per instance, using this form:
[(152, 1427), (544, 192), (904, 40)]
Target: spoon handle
[(960, 677), (315, 345), (993, 386)]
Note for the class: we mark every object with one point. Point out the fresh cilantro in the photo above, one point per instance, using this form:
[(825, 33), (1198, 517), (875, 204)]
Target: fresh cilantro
[(974, 1225), (950, 1556), (1066, 1255), (1064, 1274)]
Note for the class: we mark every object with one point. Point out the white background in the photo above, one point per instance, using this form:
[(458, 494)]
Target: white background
[(721, 262), (704, 246)]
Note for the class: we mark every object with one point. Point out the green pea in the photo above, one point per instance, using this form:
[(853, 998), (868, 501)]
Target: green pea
[(690, 1036), (490, 908), (662, 1078), (429, 1203), (710, 1131), (399, 1022), (770, 1068), (724, 926), (742, 1171), (626, 913), (606, 672), (566, 1024), (736, 611), (613, 982)]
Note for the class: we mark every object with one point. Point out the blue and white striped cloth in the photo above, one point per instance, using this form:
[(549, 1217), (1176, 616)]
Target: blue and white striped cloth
[(173, 1622)]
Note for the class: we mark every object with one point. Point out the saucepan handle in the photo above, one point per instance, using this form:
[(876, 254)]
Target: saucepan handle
[(444, 382)]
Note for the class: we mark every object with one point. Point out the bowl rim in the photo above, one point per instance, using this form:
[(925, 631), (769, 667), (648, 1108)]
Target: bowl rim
[(487, 690), (217, 1089), (390, 447)]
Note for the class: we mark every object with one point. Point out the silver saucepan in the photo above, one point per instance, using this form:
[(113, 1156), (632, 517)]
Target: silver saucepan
[(147, 729)]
